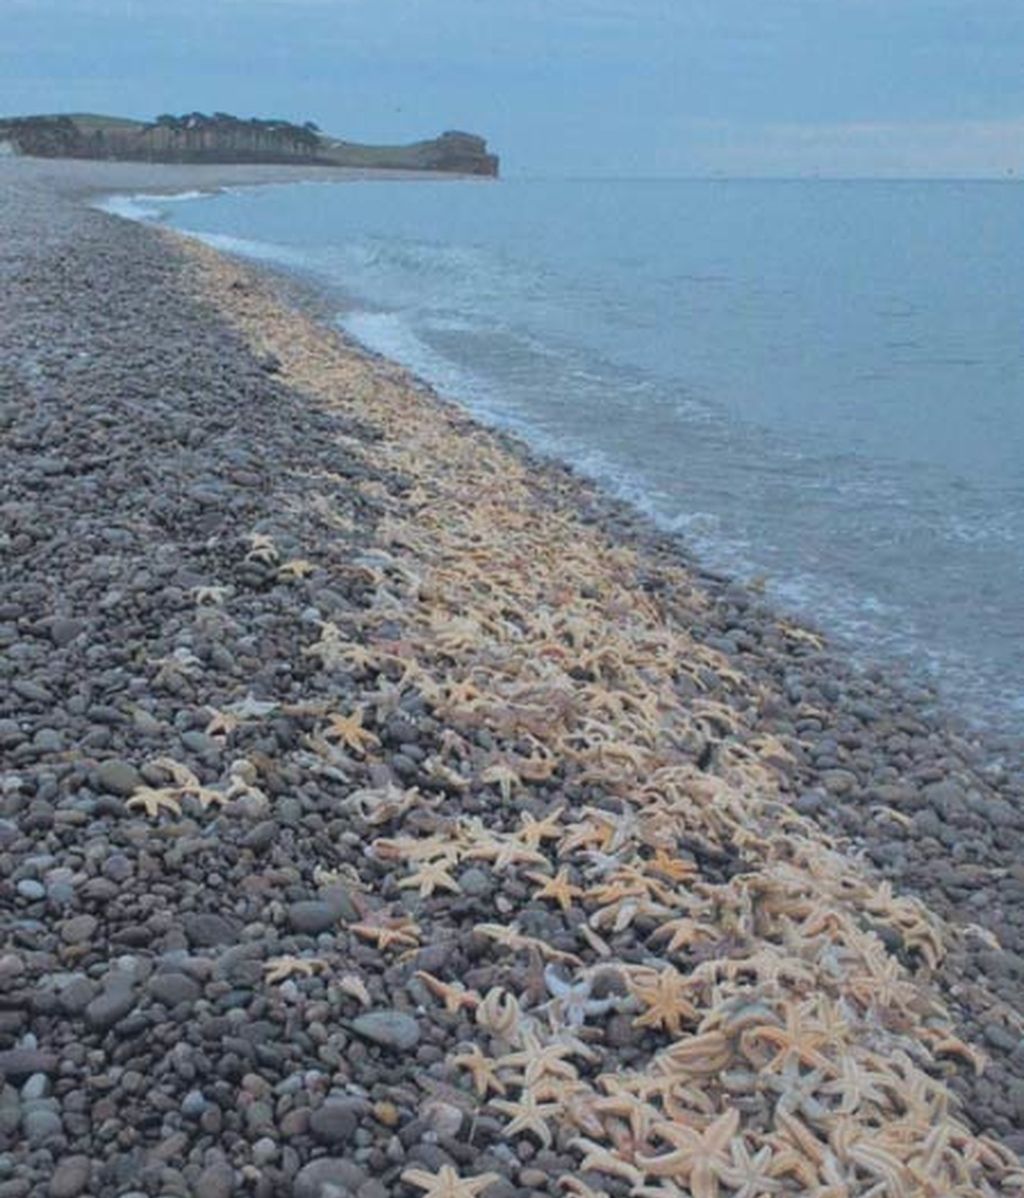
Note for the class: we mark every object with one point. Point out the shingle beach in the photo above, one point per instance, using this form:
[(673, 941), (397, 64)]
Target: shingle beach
[(385, 811)]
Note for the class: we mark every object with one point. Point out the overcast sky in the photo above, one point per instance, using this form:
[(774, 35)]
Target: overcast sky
[(619, 87)]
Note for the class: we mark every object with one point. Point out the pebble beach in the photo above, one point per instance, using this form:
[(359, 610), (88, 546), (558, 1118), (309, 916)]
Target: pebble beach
[(386, 811)]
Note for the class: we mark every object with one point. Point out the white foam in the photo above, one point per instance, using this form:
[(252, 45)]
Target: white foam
[(144, 206)]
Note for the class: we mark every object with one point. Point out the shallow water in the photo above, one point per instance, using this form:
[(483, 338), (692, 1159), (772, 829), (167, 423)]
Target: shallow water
[(815, 382)]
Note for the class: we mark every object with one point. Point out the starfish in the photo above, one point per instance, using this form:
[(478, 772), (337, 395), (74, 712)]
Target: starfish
[(504, 777), (446, 1183), (210, 595), (559, 889), (696, 1156), (532, 831), (675, 869), (222, 723), (387, 930), (857, 1086), (263, 549), (800, 1039), (279, 968), (251, 708), (750, 1176), (572, 1000), (503, 851), (663, 995), (153, 801), (598, 1158), (335, 652), (355, 987), (539, 1061), (798, 1091), (483, 1069), (621, 1103), (298, 567), (431, 876), (378, 806), (682, 933), (528, 1115), (350, 730), (499, 1013), (455, 994)]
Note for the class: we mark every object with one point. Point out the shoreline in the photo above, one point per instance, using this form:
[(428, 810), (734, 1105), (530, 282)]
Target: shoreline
[(327, 474), (974, 692)]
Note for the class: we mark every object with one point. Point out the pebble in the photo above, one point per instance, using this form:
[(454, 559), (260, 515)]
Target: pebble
[(40, 1125), (334, 1123), (328, 1177), (312, 917), (109, 1008), (71, 1177), (215, 1181), (119, 777), (173, 988), (393, 1029)]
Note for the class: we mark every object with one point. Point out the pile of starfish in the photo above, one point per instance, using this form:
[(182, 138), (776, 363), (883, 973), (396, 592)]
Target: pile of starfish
[(779, 994)]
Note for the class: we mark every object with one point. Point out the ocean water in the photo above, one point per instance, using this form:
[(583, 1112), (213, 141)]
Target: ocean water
[(816, 383)]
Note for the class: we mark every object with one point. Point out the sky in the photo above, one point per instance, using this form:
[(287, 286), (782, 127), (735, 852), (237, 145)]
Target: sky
[(912, 88)]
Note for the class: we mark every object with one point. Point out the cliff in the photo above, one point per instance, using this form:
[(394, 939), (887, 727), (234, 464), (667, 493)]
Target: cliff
[(221, 137)]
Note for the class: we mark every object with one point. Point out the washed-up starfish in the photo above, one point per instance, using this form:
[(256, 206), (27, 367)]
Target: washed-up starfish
[(664, 997), (695, 1156), (599, 1158), (539, 1061), (800, 1039), (279, 968), (431, 876), (503, 851), (528, 1115), (498, 1013), (210, 595), (510, 937), (683, 933), (349, 729), (298, 567), (558, 889), (446, 1183), (502, 775), (482, 1068), (154, 800), (262, 549), (454, 994), (387, 930), (222, 723), (572, 1002), (532, 831)]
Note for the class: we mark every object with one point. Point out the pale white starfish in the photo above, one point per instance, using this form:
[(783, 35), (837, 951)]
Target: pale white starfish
[(571, 1001)]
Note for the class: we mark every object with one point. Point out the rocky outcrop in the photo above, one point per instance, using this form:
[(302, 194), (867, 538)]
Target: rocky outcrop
[(196, 137), (464, 153)]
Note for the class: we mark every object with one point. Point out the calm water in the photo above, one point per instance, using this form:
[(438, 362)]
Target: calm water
[(818, 382)]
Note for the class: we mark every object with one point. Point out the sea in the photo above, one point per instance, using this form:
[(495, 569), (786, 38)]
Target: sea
[(816, 384)]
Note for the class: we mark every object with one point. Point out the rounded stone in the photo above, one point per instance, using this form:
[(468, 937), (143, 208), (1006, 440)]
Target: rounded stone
[(392, 1029), (312, 917), (329, 1177), (119, 777), (41, 1125), (174, 988), (70, 1177), (334, 1123)]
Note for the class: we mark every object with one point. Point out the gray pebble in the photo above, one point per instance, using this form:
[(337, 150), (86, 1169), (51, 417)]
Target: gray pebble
[(393, 1029)]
